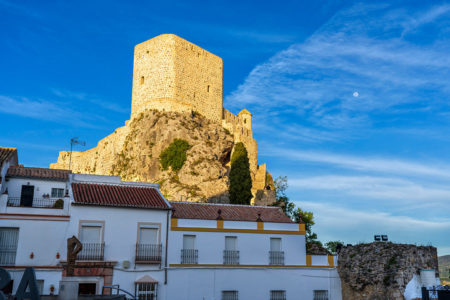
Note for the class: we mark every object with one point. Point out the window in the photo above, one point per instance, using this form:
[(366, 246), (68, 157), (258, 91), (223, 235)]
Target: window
[(146, 291), (9, 238), (230, 295), (276, 256), (230, 254), (91, 236), (57, 193), (320, 295), (277, 295), (148, 234), (142, 79), (148, 248), (189, 255), (208, 89)]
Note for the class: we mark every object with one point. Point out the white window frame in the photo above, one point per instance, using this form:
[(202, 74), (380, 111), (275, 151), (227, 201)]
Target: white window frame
[(9, 245), (57, 192)]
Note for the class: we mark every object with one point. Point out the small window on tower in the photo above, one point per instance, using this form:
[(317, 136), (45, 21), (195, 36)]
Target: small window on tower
[(208, 88), (142, 79)]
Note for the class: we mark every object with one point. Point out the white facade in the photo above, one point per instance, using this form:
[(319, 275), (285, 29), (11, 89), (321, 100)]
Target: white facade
[(43, 233), (252, 276)]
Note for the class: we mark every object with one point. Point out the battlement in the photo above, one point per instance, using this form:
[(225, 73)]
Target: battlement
[(173, 74)]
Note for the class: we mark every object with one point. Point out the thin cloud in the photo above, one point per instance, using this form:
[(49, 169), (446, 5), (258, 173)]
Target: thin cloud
[(45, 111), (360, 49), (62, 93), (386, 189), (335, 222), (364, 163)]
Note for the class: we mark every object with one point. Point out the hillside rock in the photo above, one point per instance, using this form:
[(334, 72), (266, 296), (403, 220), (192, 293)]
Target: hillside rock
[(381, 270), (133, 151)]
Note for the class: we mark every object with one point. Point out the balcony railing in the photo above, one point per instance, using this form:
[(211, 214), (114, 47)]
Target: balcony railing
[(189, 256), (276, 257), (230, 257), (36, 202), (148, 253), (92, 251)]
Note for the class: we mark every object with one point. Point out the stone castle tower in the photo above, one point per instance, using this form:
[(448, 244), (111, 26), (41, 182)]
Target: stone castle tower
[(172, 74)]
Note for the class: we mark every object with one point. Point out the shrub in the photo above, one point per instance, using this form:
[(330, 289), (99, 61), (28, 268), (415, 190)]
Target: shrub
[(59, 204), (240, 179), (174, 155)]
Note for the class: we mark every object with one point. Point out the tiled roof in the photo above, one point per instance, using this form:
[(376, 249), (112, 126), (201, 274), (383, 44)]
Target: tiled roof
[(41, 173), (209, 211), (6, 152), (117, 195)]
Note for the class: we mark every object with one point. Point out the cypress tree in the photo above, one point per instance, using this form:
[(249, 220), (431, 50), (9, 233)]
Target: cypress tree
[(240, 179)]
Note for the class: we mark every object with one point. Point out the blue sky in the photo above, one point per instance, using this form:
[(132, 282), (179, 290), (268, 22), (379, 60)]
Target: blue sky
[(350, 99)]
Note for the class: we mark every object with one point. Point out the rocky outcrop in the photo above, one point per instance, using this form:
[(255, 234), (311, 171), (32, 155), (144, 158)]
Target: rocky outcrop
[(133, 151), (381, 270)]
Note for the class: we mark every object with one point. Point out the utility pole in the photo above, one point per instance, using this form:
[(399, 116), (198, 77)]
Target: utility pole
[(74, 141)]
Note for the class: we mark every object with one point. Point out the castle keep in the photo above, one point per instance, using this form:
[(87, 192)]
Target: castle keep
[(171, 74)]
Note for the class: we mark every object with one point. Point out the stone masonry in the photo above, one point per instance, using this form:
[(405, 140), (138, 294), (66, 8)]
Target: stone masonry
[(381, 271), (173, 75)]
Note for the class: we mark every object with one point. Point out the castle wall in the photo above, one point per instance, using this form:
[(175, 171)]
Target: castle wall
[(170, 71)]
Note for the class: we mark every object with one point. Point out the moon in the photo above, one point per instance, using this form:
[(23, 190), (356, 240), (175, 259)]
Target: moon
[(355, 94)]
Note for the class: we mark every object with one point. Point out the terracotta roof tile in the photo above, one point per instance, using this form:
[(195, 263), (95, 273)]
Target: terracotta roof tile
[(117, 195), (42, 173), (6, 152), (229, 212)]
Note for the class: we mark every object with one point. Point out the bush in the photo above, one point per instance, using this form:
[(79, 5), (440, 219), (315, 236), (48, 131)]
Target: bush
[(59, 204), (174, 155), (240, 180)]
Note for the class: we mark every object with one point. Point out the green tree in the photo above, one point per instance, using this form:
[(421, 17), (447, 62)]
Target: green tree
[(331, 245), (174, 155), (240, 180), (295, 213)]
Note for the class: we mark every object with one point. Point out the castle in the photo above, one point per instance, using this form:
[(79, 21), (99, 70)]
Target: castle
[(171, 74)]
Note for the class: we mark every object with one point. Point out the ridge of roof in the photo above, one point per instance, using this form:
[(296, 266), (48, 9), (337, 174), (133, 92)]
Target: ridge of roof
[(224, 204)]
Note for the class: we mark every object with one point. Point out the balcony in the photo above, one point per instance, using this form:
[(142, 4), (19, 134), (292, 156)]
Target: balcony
[(276, 257), (56, 203), (148, 253), (189, 256), (230, 257), (92, 251)]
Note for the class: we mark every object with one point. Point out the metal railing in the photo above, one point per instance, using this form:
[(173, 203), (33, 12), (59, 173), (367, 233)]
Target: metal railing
[(320, 295), (148, 253), (36, 202), (230, 295), (278, 295), (276, 257), (230, 257), (92, 251), (189, 256)]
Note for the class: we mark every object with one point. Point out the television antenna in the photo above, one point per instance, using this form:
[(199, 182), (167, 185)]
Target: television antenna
[(74, 141)]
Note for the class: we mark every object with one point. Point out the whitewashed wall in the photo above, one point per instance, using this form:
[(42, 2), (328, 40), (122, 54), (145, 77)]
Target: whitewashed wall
[(257, 283)]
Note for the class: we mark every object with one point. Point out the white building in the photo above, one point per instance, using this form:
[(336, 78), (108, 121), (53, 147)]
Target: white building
[(219, 251), (34, 219), (133, 239), (8, 157)]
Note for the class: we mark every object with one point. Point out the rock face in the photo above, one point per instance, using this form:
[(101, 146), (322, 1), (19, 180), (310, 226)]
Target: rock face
[(133, 151), (174, 81), (381, 271)]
